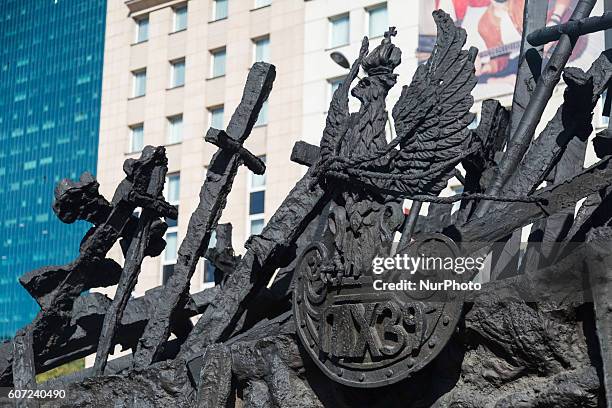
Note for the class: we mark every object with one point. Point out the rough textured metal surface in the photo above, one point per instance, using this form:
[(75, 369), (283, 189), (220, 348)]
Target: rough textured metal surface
[(215, 377), (522, 136), (528, 341), (600, 282), (56, 288), (135, 254), (556, 198), (219, 178), (573, 28), (571, 121), (265, 253), (363, 338), (24, 371)]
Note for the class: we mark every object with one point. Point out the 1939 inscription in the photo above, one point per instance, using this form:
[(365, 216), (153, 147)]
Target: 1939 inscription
[(366, 338), (379, 329)]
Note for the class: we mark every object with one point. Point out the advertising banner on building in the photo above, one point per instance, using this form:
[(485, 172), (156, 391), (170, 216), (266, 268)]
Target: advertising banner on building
[(495, 28)]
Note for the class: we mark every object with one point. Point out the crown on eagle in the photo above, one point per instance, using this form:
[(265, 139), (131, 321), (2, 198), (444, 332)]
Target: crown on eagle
[(384, 58)]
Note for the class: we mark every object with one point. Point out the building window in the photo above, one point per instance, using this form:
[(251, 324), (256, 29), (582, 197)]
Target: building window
[(136, 138), (256, 226), (175, 129), (177, 73), (142, 29), (378, 20), (475, 122), (216, 117), (171, 247), (605, 120), (262, 3), (172, 195), (262, 49), (262, 119), (172, 191), (457, 204), (218, 63), (334, 83), (172, 188), (256, 202), (339, 30), (209, 274), (257, 198), (139, 83), (220, 9), (169, 259), (180, 18)]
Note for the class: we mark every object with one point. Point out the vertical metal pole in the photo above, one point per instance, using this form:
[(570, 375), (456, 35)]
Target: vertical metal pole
[(505, 262), (550, 77), (530, 60), (529, 70), (410, 224)]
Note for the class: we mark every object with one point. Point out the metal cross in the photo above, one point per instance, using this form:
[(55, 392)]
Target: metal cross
[(219, 179)]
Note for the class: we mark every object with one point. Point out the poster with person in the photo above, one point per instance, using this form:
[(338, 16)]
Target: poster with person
[(495, 28)]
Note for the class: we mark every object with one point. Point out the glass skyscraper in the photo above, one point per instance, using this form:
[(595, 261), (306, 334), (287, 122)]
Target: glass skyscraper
[(50, 86)]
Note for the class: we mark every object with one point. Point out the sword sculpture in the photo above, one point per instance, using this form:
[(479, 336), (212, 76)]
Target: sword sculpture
[(297, 315)]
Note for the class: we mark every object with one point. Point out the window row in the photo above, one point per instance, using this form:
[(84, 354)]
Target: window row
[(220, 8), (339, 26), (177, 78), (175, 128), (179, 18), (179, 23), (261, 52)]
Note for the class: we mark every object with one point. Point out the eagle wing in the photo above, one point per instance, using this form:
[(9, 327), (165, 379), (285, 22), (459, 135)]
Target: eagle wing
[(433, 113)]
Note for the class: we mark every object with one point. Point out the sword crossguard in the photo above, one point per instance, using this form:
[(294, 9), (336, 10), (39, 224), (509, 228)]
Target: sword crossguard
[(156, 204), (305, 154), (223, 141)]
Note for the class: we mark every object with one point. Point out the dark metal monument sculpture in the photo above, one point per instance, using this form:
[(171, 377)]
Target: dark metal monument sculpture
[(295, 322)]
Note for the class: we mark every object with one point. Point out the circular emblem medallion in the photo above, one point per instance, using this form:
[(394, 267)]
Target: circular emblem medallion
[(364, 337)]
